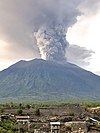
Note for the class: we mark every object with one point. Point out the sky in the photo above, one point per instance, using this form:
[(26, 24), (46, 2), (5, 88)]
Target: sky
[(86, 33), (18, 21)]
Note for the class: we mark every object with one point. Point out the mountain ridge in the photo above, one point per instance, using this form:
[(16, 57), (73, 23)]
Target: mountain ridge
[(41, 80)]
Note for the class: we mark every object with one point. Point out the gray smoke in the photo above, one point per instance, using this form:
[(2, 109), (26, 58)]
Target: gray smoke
[(30, 27), (52, 42), (53, 19), (79, 55)]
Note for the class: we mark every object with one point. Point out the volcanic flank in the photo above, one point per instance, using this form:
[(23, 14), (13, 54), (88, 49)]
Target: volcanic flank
[(41, 80)]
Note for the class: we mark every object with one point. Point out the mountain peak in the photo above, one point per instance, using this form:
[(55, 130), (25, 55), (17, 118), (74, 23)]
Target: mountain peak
[(42, 80)]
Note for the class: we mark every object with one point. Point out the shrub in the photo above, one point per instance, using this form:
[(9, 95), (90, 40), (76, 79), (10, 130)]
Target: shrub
[(37, 112), (19, 112)]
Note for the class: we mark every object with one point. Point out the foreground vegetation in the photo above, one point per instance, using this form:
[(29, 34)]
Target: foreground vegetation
[(11, 126)]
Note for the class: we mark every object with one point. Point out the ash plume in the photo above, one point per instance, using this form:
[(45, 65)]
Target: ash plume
[(52, 42), (34, 28), (53, 19)]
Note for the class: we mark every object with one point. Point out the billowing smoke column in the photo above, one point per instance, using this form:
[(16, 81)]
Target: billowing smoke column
[(52, 42), (52, 21)]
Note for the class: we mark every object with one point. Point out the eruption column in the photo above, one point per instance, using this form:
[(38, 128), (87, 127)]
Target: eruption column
[(52, 42)]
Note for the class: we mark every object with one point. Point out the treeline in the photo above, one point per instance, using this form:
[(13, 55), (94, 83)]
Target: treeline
[(44, 105)]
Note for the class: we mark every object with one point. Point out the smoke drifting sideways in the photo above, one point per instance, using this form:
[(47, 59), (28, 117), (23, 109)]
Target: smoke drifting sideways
[(51, 22)]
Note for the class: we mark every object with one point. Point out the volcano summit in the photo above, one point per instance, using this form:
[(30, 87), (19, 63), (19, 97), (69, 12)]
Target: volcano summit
[(41, 80)]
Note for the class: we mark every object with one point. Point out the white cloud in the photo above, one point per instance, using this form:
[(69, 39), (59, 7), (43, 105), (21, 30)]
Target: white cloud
[(86, 32)]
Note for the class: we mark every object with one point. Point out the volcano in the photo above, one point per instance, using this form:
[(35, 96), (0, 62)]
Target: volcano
[(41, 80)]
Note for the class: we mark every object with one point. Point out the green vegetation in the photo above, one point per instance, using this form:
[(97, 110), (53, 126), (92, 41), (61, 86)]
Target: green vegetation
[(37, 112), (90, 105), (19, 112), (71, 114), (21, 106), (9, 124)]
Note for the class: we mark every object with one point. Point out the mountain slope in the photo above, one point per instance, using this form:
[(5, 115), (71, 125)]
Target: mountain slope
[(44, 80)]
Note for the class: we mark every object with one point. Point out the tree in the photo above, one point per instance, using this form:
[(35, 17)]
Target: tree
[(28, 106), (1, 110), (37, 112), (19, 112)]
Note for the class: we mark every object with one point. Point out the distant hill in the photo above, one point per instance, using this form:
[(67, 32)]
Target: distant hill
[(40, 80)]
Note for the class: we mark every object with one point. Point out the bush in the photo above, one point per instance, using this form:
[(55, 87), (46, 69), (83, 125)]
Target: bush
[(71, 113), (19, 112), (37, 112)]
